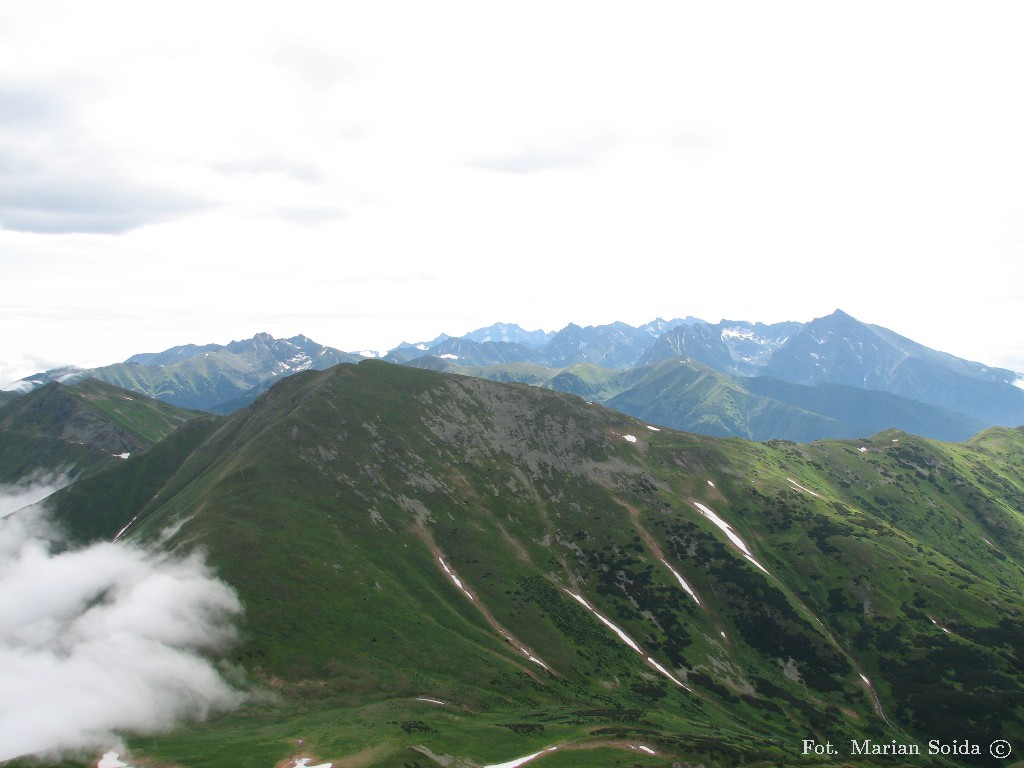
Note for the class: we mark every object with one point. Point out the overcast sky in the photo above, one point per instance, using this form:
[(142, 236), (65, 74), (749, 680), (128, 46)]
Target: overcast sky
[(371, 172)]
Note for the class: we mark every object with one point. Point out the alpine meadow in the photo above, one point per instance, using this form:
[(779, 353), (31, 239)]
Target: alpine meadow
[(441, 569), (460, 384)]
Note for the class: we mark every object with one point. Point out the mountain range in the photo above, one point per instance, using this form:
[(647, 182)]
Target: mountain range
[(833, 376), (79, 428), (207, 376), (446, 570)]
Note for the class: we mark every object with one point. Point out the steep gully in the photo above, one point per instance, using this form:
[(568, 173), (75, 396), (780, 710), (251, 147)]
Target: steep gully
[(652, 545)]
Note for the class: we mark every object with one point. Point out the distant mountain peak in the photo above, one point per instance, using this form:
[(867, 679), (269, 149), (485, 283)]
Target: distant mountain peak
[(834, 349), (205, 377), (63, 375), (839, 313), (510, 333)]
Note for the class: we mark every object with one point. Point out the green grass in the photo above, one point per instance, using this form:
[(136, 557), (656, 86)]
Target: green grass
[(326, 502), (80, 428), (152, 420)]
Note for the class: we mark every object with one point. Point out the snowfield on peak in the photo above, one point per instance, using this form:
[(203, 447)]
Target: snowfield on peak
[(738, 333)]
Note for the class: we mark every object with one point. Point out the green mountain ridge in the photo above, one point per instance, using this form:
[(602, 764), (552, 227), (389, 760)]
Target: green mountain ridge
[(402, 537), (211, 376), (208, 376), (79, 427), (687, 395)]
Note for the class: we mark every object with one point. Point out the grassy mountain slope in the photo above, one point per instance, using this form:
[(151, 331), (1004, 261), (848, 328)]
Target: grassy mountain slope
[(687, 395), (865, 410), (690, 396), (587, 380), (343, 505), (79, 427)]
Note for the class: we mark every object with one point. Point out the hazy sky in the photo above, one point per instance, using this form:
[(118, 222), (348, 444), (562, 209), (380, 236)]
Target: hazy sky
[(371, 172)]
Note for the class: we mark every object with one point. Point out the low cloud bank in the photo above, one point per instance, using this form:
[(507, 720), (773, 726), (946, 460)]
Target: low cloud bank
[(104, 639), (30, 491)]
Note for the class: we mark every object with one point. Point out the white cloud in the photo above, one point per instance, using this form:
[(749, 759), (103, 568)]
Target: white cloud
[(31, 106), (534, 159), (30, 491), (311, 214), (46, 201), (317, 68), (772, 139), (693, 140), (103, 640), (59, 178), (298, 170)]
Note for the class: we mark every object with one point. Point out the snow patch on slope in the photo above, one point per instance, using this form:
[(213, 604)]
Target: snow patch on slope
[(120, 533), (682, 582), (728, 531), (800, 487), (454, 578), (665, 672), (622, 635), (625, 638), (521, 760)]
